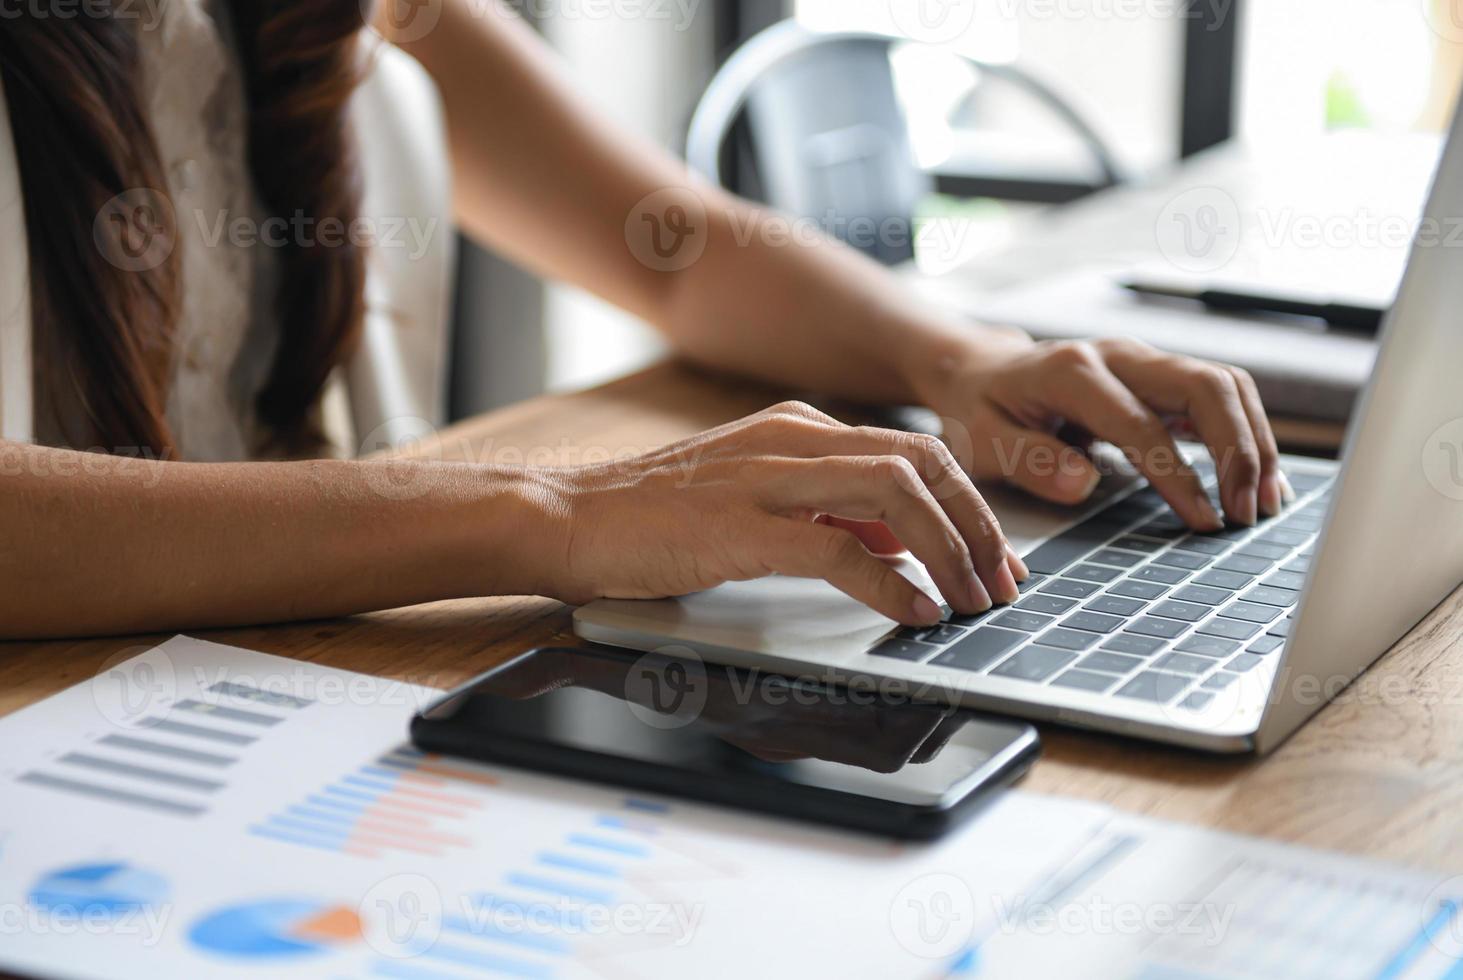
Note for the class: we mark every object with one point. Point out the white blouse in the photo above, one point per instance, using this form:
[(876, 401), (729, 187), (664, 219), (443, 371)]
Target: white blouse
[(392, 388)]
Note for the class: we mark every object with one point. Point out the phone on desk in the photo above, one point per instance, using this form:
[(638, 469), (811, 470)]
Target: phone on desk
[(870, 760)]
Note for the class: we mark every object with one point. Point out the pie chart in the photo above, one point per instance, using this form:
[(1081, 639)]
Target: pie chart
[(275, 929), (106, 889)]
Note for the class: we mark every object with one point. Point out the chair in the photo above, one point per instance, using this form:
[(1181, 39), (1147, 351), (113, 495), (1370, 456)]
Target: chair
[(811, 124)]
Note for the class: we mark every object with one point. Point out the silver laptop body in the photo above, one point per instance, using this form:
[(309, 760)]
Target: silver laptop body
[(1224, 642)]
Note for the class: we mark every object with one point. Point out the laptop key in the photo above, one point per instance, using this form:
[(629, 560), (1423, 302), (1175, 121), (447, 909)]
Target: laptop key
[(1032, 581), (1051, 605), (1094, 573), (1270, 596), (1286, 537), (1139, 646), (1134, 543), (903, 650), (1281, 628), (1233, 581), (1184, 663), (1071, 545), (1084, 680), (1204, 546), (1229, 629), (1203, 593), (1111, 663), (1244, 564), (1265, 644), (1197, 701), (1069, 639), (1298, 565), (1035, 663), (1189, 612), (981, 648), (1093, 622), (1190, 560), (973, 619), (1069, 588), (1164, 527), (1112, 556), (1244, 662), (1207, 646), (1161, 574), (1167, 629), (1153, 686), (1028, 621), (944, 633), (1113, 605), (1285, 580), (1219, 681), (1250, 612), (1259, 549), (1138, 590)]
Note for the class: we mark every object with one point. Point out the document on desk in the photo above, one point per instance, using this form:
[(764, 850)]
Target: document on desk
[(201, 810)]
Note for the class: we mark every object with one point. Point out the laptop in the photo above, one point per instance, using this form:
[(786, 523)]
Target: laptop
[(1132, 624)]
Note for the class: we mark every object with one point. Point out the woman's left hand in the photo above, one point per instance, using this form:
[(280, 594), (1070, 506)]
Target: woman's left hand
[(1023, 411)]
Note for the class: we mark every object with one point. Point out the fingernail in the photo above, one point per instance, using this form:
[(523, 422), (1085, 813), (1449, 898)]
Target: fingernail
[(926, 612), (1005, 586), (1272, 497), (1287, 492), (980, 599), (1209, 518), (1076, 483)]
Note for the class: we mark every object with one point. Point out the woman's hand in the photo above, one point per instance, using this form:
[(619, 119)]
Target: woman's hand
[(788, 491), (1029, 409)]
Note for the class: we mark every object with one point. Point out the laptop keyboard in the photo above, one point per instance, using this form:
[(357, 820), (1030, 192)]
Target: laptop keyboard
[(1133, 605)]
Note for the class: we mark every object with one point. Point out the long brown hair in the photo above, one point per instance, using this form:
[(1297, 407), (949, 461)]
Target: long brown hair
[(104, 329)]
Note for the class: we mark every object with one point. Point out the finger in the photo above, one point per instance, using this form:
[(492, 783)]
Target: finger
[(1038, 463), (1019, 571), (875, 535), (806, 550), (1091, 395), (885, 489), (938, 470), (1209, 395), (1274, 489)]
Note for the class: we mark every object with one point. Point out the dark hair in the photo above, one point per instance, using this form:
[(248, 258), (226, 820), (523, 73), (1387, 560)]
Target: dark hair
[(103, 330)]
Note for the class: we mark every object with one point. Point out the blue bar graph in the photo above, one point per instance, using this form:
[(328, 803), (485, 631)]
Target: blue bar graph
[(558, 886), (565, 862), (627, 848)]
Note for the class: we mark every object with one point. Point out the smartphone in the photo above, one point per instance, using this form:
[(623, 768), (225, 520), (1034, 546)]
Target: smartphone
[(866, 759)]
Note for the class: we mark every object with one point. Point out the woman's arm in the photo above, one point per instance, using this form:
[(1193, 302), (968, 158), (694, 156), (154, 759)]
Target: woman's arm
[(100, 544), (543, 179)]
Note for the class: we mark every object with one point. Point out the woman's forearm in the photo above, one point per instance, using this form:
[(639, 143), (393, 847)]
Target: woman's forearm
[(100, 545), (772, 298)]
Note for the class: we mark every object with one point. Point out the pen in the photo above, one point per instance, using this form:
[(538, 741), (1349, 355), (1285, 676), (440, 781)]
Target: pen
[(1345, 316)]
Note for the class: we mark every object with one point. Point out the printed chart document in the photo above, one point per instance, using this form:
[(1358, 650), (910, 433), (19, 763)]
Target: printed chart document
[(202, 811)]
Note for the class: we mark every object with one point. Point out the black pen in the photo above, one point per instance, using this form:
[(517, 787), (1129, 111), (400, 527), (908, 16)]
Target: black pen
[(1345, 316)]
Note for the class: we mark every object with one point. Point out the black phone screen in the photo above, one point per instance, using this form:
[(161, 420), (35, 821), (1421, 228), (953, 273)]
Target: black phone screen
[(737, 736)]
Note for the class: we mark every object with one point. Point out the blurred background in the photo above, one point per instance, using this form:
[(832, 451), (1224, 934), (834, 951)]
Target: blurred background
[(1158, 80)]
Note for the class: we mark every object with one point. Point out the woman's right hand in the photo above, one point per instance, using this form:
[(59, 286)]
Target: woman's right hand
[(784, 491)]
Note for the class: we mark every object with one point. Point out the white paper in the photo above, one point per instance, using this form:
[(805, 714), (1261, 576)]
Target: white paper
[(303, 838)]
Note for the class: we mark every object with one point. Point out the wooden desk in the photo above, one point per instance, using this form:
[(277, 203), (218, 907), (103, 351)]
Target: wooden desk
[(1377, 777)]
